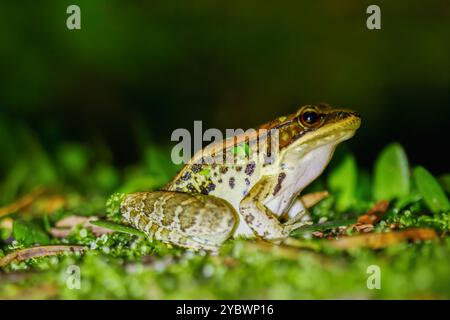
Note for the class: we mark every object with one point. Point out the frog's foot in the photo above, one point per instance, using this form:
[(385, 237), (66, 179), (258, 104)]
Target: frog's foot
[(291, 226), (193, 221), (301, 217)]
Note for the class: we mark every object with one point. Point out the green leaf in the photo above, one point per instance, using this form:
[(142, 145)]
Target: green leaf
[(391, 173), (407, 200), (118, 227), (445, 182), (342, 181), (364, 186), (431, 191), (28, 234)]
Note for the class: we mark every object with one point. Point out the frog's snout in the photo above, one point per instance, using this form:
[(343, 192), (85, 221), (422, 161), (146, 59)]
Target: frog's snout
[(355, 114), (343, 116)]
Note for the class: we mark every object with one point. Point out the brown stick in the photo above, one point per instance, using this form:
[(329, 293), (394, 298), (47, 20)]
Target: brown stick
[(41, 251), (313, 198), (21, 203), (382, 240)]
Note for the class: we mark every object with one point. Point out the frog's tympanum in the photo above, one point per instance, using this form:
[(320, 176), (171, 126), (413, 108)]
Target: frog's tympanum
[(256, 193)]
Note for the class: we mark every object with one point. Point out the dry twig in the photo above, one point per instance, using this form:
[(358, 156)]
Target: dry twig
[(41, 251)]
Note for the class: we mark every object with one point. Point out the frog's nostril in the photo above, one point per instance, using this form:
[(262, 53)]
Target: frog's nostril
[(355, 114), (342, 115)]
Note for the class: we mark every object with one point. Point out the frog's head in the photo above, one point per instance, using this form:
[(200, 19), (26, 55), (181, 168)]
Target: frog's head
[(307, 140), (314, 126)]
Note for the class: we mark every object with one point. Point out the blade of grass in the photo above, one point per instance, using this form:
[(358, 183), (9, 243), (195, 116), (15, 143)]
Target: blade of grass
[(117, 227), (431, 191)]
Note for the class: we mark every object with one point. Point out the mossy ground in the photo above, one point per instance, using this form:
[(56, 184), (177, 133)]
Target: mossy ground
[(120, 265)]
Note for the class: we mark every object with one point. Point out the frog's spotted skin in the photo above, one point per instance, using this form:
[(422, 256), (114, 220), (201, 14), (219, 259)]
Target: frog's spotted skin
[(261, 186)]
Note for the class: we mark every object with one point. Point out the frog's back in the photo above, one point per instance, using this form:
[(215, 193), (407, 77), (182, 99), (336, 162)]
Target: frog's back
[(219, 171), (230, 182)]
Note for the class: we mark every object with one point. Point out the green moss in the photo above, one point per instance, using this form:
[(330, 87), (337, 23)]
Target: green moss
[(125, 264)]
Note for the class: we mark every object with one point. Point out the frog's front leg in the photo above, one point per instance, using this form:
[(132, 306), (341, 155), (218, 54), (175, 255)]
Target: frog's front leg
[(260, 219), (194, 221)]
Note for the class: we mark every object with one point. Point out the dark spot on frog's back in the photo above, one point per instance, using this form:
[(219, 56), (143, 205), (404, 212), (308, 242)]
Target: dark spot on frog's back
[(196, 168), (232, 182), (250, 168), (191, 187), (186, 176), (203, 190), (281, 177), (209, 187), (223, 169)]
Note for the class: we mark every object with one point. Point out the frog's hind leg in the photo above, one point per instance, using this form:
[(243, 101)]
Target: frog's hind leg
[(166, 235), (194, 221)]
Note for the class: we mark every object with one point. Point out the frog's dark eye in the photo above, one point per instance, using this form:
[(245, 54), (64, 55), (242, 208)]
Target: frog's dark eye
[(310, 118)]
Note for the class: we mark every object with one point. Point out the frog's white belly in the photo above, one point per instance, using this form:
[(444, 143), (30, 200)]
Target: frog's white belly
[(300, 171)]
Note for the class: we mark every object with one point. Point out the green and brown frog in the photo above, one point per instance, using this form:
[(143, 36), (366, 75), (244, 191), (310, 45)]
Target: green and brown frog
[(215, 197)]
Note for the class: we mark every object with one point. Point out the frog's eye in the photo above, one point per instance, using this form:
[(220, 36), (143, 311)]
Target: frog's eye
[(310, 118)]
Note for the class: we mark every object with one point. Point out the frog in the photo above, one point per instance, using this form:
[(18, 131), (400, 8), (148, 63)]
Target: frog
[(218, 195)]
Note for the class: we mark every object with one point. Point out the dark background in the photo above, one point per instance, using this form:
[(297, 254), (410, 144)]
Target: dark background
[(148, 67)]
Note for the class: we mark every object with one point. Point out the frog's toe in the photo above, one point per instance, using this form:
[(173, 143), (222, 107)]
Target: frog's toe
[(299, 224), (302, 216)]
